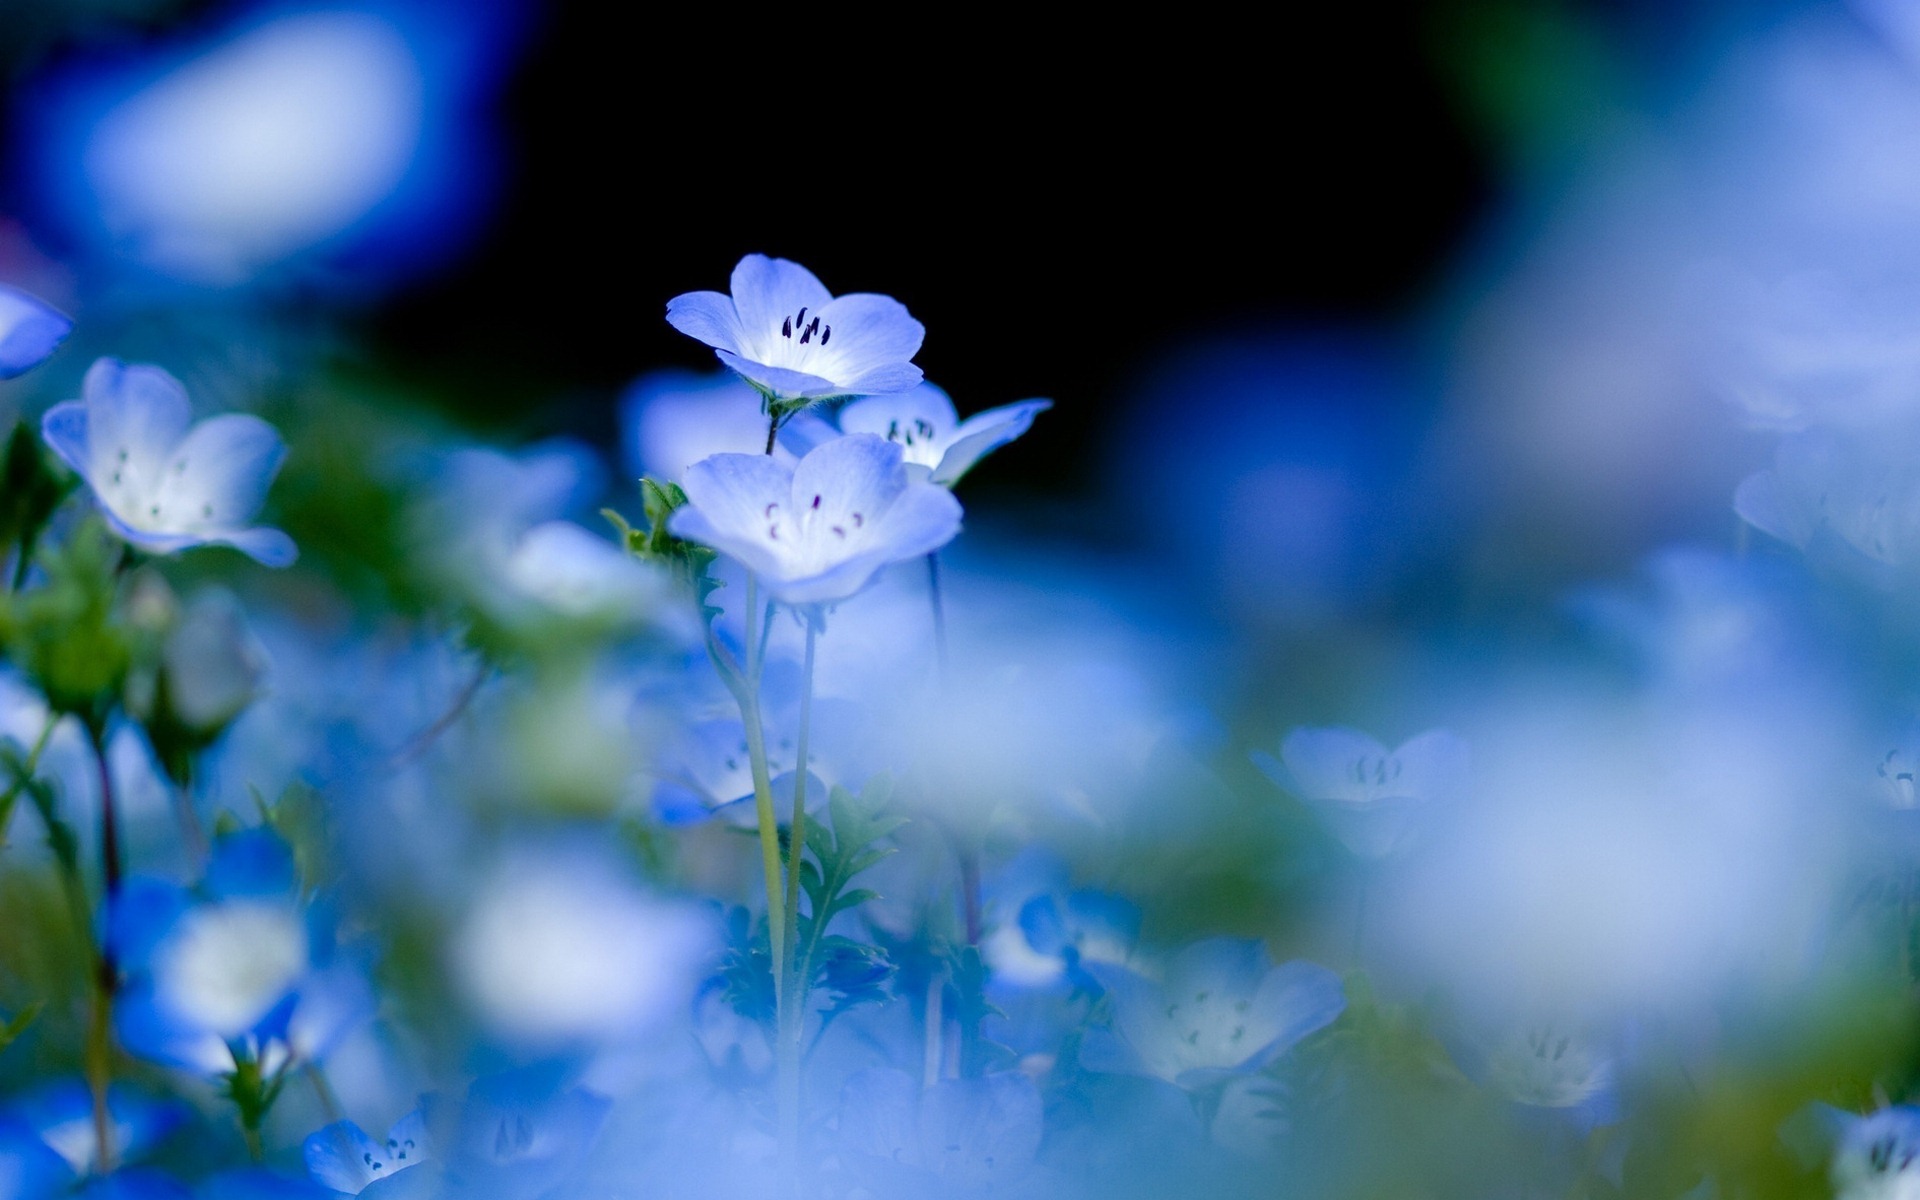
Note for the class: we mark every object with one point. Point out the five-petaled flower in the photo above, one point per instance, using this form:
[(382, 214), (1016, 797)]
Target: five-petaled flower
[(818, 531), (935, 442), (163, 486), (795, 341)]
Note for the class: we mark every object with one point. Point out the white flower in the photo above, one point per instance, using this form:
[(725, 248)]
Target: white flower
[(816, 532), (163, 486), (937, 444)]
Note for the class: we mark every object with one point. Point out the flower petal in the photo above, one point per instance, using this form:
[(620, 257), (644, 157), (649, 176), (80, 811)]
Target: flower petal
[(729, 497), (30, 331), (268, 547), (218, 476), (65, 430), (983, 433), (781, 381), (855, 476), (136, 415), (767, 291), (342, 1156), (893, 414), (709, 317), (872, 332), (1322, 761), (1295, 999)]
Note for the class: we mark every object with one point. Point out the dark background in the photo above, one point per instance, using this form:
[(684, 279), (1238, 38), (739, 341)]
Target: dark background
[(1056, 207)]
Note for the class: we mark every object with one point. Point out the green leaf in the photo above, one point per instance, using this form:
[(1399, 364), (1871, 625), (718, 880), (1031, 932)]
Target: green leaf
[(11, 1031), (30, 490)]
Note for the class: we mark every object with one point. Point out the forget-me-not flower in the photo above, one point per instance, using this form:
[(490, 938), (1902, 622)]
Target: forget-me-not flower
[(935, 442), (165, 485), (30, 331), (816, 532), (792, 339), (1221, 1009), (673, 419), (1371, 797)]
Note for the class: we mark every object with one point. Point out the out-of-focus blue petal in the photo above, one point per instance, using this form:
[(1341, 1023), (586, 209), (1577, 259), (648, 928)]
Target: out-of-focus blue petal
[(62, 1114), (1041, 922), (136, 1183), (147, 1029), (255, 1183), (251, 862), (974, 1132), (30, 331), (1322, 762), (29, 1170), (673, 419), (136, 415), (217, 476), (143, 913), (65, 429), (1295, 999), (330, 1005), (344, 1158), (268, 547)]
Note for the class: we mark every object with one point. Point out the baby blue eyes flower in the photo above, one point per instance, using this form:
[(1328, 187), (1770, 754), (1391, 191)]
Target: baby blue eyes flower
[(344, 1158), (1221, 1009), (1878, 1155), (817, 532), (935, 442), (165, 486), (1372, 798), (30, 331), (793, 340)]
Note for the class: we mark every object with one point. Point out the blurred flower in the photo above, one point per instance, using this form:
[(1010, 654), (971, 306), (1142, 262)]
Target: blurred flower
[(672, 419), (1878, 1156), (1057, 933), (60, 1116), (241, 967), (1548, 1067), (344, 1158), (567, 949), (165, 487), (299, 133), (580, 576), (1221, 1009), (958, 1136), (30, 331), (517, 1135), (817, 532), (936, 444), (1372, 797), (1825, 492), (794, 340)]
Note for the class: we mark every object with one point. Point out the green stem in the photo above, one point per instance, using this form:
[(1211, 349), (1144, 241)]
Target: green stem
[(99, 1053), (24, 773), (748, 696), (791, 1025)]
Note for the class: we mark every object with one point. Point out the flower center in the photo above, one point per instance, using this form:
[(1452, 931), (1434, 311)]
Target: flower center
[(797, 326)]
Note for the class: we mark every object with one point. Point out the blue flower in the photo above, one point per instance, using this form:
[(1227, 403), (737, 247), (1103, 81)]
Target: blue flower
[(1877, 1157), (344, 1158), (960, 1133), (673, 419), (256, 1183), (793, 340), (48, 1135), (817, 532), (1371, 797), (519, 1134), (1221, 1009), (937, 444), (30, 331), (243, 964), (163, 486)]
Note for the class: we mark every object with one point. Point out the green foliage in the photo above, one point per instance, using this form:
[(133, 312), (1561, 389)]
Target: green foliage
[(687, 560), (11, 1031), (842, 847), (30, 489), (66, 635)]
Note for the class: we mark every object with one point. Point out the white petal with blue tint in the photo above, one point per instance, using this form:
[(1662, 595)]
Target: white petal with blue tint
[(164, 486), (782, 331)]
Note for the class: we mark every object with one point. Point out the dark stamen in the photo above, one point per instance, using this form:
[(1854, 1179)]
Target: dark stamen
[(825, 334), (786, 328), (816, 502)]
